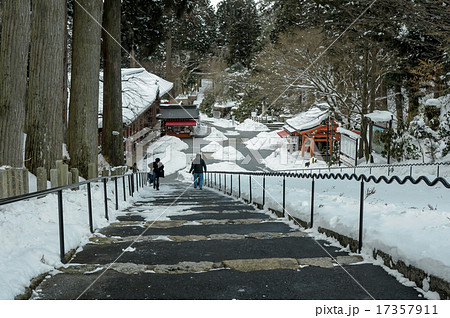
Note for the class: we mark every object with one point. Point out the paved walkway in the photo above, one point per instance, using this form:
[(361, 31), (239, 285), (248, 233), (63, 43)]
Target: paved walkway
[(214, 247)]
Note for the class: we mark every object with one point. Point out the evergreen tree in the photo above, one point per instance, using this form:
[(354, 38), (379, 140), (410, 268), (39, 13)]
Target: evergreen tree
[(239, 30), (82, 134), (112, 121), (45, 122)]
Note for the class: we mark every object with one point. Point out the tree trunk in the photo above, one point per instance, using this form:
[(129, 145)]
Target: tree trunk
[(46, 85), (169, 66), (399, 106), (364, 144), (82, 134), (413, 103), (15, 42), (112, 143), (373, 79)]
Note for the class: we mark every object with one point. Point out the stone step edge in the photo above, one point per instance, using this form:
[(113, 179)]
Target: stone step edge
[(241, 265), (188, 238), (178, 223)]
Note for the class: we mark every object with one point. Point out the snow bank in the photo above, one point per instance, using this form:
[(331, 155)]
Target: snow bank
[(29, 240), (169, 150), (212, 147), (251, 125), (215, 135), (228, 154), (265, 140)]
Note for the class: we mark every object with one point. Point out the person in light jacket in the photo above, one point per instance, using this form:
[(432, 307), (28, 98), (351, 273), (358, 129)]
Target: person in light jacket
[(197, 168)]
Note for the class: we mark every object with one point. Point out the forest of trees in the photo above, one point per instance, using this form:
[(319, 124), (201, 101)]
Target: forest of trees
[(280, 55)]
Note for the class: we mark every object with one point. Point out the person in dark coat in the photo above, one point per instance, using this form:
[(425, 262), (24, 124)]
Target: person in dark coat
[(158, 171), (197, 168)]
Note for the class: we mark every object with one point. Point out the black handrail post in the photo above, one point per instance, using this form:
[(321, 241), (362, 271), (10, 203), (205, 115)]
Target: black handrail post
[(361, 212), (137, 182), (225, 183), (231, 184), (239, 180), (250, 199), (312, 203), (220, 182), (264, 190), (105, 194), (410, 171), (117, 193), (215, 180), (131, 185), (91, 222), (437, 173), (124, 189), (61, 227), (284, 195)]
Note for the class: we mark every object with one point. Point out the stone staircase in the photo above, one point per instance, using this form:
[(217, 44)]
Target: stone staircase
[(206, 245)]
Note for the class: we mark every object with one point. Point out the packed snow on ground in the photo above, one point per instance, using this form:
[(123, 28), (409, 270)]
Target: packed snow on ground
[(228, 154), (213, 146), (169, 150), (251, 125), (226, 166), (219, 122), (281, 160), (216, 135), (29, 240), (266, 140)]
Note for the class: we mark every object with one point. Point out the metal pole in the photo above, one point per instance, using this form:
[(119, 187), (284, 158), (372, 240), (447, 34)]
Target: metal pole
[(361, 212), (312, 203), (61, 227), (239, 180), (124, 194), (250, 186), (284, 194), (91, 222), (231, 184), (117, 194), (132, 184), (105, 194), (264, 190), (225, 183), (437, 173)]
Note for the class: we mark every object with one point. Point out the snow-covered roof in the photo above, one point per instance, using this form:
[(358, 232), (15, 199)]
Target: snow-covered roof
[(178, 111), (309, 119), (433, 102), (348, 133), (139, 90), (380, 116)]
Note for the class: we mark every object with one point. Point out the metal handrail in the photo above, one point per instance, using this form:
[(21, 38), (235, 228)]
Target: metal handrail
[(370, 167), (314, 176), (133, 185)]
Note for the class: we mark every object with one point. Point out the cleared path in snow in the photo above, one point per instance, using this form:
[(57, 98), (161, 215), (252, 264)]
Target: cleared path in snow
[(215, 247)]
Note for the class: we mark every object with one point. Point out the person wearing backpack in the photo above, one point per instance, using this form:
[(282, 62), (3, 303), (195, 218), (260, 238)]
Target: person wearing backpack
[(158, 171)]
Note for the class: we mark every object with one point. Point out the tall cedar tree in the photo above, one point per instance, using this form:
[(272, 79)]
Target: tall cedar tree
[(82, 134), (239, 29), (46, 89), (112, 144), (13, 79)]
